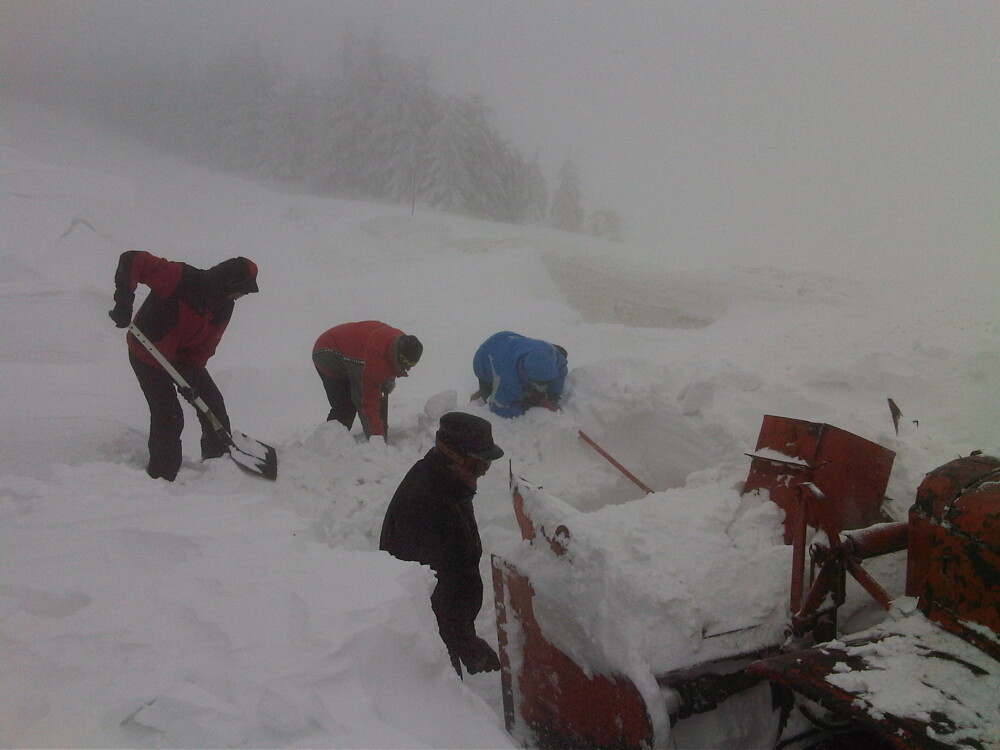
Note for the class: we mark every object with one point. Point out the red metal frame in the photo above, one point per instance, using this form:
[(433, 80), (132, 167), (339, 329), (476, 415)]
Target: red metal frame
[(850, 471), (953, 542), (959, 580), (545, 693)]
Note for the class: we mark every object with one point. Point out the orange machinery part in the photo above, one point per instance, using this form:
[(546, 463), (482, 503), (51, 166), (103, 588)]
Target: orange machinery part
[(559, 704), (936, 493), (851, 472), (954, 558), (953, 566)]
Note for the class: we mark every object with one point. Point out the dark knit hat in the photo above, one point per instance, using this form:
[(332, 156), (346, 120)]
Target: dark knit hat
[(408, 351), (468, 435)]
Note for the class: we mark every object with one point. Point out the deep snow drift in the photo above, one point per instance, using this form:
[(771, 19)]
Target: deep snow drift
[(223, 610)]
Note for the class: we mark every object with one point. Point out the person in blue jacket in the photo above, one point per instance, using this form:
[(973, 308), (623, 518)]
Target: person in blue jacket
[(516, 373)]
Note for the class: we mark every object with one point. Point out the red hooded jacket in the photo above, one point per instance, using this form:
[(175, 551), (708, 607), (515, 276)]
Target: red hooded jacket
[(365, 354), (187, 309)]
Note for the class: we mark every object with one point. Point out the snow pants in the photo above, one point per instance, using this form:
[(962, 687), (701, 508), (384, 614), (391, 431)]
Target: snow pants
[(166, 418)]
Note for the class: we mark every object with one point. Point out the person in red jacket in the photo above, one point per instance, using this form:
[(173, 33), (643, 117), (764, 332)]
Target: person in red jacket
[(358, 364), (184, 315)]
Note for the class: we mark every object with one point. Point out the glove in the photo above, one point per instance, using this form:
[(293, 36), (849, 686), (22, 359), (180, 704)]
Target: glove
[(188, 394), (121, 314), (388, 387), (479, 656)]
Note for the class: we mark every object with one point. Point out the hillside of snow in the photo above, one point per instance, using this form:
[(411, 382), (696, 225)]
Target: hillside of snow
[(224, 610)]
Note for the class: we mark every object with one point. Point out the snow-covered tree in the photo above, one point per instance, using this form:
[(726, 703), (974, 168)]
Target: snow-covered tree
[(234, 106), (567, 204), (444, 179), (371, 128), (605, 223), (288, 149), (535, 193)]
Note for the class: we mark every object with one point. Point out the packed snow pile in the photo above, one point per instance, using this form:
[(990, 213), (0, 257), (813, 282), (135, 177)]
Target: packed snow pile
[(718, 586), (224, 610), (701, 572)]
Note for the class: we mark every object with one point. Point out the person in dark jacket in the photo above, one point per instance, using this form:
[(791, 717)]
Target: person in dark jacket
[(430, 520), (184, 315), (516, 373), (358, 364)]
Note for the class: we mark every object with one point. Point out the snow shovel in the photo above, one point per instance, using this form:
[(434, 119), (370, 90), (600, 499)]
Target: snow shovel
[(250, 454)]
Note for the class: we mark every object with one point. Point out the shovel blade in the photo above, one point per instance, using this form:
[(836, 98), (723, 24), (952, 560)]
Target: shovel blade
[(254, 456)]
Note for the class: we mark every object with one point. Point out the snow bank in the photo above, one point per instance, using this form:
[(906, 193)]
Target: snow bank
[(210, 618)]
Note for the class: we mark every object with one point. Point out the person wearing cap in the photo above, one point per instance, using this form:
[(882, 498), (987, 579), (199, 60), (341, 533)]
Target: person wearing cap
[(184, 315), (358, 364), (431, 520), (516, 373)]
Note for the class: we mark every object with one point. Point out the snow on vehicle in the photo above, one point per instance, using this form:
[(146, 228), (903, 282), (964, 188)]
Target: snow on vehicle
[(608, 639)]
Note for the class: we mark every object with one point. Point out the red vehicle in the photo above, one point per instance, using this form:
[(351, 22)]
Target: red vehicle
[(928, 676)]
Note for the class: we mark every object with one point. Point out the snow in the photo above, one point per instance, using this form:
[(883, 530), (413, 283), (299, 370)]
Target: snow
[(224, 610), (717, 589), (941, 667)]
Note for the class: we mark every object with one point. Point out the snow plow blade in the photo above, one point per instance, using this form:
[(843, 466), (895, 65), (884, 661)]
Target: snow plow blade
[(547, 697), (554, 700)]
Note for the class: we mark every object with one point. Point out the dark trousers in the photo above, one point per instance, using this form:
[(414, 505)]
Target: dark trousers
[(338, 393), (166, 418)]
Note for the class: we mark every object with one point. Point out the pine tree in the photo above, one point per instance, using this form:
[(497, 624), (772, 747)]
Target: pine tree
[(605, 223), (372, 128), (567, 209), (234, 105)]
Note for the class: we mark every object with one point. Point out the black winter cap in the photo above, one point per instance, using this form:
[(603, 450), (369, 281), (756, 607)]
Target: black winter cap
[(468, 435), (408, 351)]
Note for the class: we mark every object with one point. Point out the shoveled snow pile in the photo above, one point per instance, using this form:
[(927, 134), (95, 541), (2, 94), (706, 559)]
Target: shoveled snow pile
[(701, 571)]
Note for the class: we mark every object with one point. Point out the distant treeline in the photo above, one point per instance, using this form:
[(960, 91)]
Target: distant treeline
[(372, 128)]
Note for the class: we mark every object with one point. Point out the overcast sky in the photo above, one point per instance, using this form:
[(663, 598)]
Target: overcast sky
[(761, 132)]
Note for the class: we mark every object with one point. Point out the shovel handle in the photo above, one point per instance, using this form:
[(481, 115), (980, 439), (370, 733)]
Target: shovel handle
[(197, 401), (587, 439)]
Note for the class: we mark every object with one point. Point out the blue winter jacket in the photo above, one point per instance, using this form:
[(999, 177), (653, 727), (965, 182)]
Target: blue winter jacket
[(515, 365)]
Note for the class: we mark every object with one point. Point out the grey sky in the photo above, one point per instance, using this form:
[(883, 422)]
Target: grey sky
[(822, 133)]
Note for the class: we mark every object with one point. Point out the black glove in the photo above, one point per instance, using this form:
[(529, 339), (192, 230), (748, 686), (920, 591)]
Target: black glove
[(121, 314), (388, 387), (188, 394), (479, 656)]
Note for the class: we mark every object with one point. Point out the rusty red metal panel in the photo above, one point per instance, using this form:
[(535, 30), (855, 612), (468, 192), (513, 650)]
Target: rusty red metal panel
[(936, 493), (850, 471), (962, 585), (954, 562), (547, 693)]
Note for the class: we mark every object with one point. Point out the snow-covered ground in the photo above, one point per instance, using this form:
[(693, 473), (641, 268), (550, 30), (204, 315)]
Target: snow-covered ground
[(225, 610)]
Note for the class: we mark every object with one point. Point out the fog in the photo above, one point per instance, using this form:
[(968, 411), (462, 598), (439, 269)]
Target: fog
[(838, 135)]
